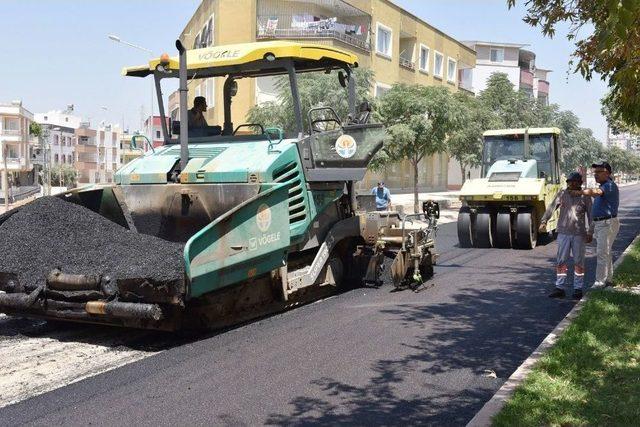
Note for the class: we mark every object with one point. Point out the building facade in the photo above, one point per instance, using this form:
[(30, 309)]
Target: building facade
[(16, 146), (98, 153), (60, 131), (510, 58), (624, 140), (153, 128), (396, 45), (127, 152)]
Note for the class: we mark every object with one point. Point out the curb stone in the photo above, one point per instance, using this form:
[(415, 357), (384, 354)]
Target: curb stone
[(496, 403)]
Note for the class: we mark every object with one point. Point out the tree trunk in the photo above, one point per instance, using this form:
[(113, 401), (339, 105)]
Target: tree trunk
[(464, 173), (415, 185)]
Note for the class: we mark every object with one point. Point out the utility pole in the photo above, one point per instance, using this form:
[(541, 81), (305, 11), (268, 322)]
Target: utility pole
[(5, 176)]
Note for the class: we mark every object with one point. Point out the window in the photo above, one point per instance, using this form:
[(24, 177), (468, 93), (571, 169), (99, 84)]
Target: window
[(55, 140), (497, 55), (157, 134), (209, 91), (438, 64), (424, 58), (45, 118), (11, 124), (55, 158), (384, 40), (451, 70), (381, 89)]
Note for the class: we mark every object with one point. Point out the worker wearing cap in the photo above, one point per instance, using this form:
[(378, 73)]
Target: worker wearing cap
[(605, 217), (575, 230), (383, 197)]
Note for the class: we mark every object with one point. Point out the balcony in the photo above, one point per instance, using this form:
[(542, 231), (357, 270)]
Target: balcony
[(87, 158), (462, 87), (328, 19), (543, 86), (526, 78), (11, 132), (407, 63)]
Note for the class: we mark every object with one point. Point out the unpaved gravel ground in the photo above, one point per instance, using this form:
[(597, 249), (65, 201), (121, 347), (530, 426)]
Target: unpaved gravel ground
[(38, 356)]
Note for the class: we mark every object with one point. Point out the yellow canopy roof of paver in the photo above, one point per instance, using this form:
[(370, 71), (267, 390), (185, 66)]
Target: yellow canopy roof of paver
[(224, 57), (531, 131)]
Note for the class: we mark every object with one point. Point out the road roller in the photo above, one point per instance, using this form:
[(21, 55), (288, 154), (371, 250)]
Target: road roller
[(520, 177)]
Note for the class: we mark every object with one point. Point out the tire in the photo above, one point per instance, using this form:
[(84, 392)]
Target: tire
[(484, 237), (503, 230), (465, 229), (526, 230)]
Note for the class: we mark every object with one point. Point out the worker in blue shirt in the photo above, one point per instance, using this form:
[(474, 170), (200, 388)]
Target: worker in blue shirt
[(605, 217), (383, 197)]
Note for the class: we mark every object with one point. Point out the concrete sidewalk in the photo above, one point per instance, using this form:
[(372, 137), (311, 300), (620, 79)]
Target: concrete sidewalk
[(448, 200)]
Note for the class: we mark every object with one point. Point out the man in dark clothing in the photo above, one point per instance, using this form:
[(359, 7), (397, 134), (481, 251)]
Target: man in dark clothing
[(605, 216)]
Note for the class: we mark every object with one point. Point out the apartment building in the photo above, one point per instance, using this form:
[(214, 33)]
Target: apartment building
[(60, 133), (15, 146), (153, 129), (97, 153), (510, 58), (397, 45), (624, 140), (127, 152)]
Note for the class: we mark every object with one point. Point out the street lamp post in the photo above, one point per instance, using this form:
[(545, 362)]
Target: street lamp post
[(117, 39)]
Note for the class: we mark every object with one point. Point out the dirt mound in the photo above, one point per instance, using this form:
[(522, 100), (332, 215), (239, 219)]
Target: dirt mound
[(52, 233)]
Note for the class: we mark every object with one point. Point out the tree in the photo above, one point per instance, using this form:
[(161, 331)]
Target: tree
[(514, 108), (612, 49), (64, 175), (419, 120), (315, 90), (35, 129), (580, 148), (622, 161), (465, 143)]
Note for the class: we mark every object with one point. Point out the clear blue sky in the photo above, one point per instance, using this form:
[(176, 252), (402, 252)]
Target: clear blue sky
[(57, 52)]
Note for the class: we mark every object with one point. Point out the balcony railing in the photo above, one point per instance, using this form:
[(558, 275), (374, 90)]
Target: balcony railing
[(407, 63), (88, 158), (466, 89), (11, 132), (329, 19), (526, 77), (543, 86), (300, 33)]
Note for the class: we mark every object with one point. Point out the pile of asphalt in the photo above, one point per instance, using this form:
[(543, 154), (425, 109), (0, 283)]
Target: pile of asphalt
[(51, 233)]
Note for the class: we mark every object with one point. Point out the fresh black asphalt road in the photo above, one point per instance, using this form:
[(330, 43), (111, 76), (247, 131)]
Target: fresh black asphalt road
[(368, 356)]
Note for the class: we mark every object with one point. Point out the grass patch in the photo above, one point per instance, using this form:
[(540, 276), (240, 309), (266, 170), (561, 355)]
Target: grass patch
[(591, 376), (628, 272)]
